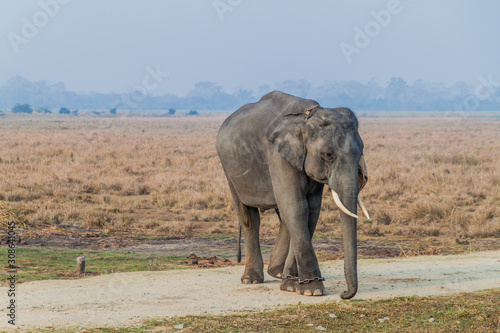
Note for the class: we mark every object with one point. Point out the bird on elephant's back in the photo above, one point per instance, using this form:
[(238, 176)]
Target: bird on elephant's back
[(278, 154)]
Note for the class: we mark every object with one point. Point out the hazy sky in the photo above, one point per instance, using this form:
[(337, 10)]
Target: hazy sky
[(112, 45)]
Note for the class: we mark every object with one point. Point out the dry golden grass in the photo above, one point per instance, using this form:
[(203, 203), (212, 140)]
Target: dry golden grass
[(432, 177), (161, 177)]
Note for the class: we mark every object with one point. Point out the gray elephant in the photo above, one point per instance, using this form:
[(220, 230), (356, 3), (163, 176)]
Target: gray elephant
[(277, 154)]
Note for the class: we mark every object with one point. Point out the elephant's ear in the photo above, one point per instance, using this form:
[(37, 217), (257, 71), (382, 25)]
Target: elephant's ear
[(288, 140), (362, 173)]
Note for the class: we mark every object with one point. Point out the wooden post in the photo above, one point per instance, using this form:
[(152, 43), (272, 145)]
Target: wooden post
[(80, 265)]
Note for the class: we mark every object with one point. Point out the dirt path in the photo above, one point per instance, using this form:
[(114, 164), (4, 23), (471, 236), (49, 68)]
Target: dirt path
[(125, 298)]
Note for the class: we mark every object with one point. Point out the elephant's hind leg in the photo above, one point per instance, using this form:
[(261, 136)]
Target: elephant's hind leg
[(254, 266), (249, 219), (280, 251)]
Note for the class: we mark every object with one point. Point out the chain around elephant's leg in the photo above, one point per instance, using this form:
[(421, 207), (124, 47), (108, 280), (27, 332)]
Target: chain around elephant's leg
[(288, 282), (311, 287)]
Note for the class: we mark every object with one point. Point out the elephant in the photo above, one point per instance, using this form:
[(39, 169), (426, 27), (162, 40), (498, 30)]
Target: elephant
[(278, 153)]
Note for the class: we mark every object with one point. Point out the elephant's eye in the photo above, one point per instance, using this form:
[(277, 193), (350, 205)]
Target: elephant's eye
[(328, 156)]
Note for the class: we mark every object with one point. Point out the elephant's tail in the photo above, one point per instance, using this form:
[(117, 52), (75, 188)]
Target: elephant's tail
[(238, 256)]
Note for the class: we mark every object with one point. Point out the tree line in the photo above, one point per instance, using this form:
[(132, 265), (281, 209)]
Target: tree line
[(397, 94), (26, 108)]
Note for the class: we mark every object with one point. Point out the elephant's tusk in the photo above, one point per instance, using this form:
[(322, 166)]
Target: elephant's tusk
[(363, 208), (341, 206)]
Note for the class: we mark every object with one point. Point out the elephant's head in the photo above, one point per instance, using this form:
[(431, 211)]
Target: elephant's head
[(325, 144)]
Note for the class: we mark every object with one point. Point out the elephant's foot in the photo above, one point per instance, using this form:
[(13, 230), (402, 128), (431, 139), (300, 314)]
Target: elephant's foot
[(312, 288), (288, 284), (275, 271), (252, 277)]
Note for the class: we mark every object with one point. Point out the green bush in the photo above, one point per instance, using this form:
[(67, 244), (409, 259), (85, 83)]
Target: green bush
[(64, 110), (22, 108)]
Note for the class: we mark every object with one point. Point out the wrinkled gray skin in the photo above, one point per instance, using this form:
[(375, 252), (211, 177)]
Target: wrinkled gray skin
[(276, 156)]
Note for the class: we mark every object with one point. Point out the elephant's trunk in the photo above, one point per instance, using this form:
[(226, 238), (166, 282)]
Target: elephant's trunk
[(350, 255), (349, 198)]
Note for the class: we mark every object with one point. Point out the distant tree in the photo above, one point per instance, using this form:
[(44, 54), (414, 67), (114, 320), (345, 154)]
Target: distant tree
[(171, 112), (396, 87), (96, 113), (112, 111), (193, 113), (298, 88), (75, 112), (43, 109), (22, 108), (394, 93), (64, 110), (205, 89)]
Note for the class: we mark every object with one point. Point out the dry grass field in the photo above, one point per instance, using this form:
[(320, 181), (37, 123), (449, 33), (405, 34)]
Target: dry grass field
[(161, 177)]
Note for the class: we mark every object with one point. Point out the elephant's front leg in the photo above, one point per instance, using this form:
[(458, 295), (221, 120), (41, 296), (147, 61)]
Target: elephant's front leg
[(280, 251), (314, 203), (278, 267), (290, 275), (315, 287), (282, 248), (301, 258)]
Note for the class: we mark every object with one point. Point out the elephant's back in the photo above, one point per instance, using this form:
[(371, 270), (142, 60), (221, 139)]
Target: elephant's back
[(253, 117), (243, 131), (252, 123)]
